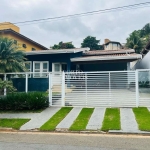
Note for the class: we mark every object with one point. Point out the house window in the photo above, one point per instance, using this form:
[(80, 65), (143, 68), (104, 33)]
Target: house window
[(33, 49), (41, 68), (28, 65), (15, 42), (24, 46)]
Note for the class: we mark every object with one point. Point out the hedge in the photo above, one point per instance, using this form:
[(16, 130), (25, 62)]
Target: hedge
[(24, 101)]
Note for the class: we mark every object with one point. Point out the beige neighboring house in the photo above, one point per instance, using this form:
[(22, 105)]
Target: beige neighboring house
[(112, 45)]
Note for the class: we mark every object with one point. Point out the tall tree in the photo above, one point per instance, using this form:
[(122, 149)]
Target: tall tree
[(61, 45), (135, 42), (138, 38), (11, 59), (92, 43)]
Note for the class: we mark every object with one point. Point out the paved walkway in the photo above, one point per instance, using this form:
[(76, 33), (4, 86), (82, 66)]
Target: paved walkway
[(69, 119), (96, 119), (18, 115), (38, 120), (128, 122)]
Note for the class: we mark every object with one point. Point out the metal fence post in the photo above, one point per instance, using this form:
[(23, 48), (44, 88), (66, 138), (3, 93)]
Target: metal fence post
[(50, 90), (26, 85), (137, 88), (86, 87), (110, 90), (63, 90), (5, 92)]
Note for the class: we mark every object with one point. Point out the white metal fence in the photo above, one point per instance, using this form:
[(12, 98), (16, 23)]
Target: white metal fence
[(89, 89)]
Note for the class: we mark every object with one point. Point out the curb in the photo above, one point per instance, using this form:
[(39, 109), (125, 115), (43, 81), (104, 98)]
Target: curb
[(111, 132)]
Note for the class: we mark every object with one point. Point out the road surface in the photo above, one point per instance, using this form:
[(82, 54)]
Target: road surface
[(62, 141)]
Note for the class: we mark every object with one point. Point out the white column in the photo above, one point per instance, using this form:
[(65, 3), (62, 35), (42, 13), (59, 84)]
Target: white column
[(50, 90), (26, 85), (86, 87), (63, 89), (137, 88), (128, 66), (109, 90), (5, 92)]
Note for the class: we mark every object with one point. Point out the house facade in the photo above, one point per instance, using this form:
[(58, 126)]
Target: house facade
[(81, 59), (11, 31)]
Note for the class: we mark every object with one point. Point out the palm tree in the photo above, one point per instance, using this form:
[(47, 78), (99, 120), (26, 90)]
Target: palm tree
[(11, 59), (135, 42)]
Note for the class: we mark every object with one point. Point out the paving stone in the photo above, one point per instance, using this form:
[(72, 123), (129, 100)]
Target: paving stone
[(18, 115), (128, 122), (96, 119), (38, 120), (69, 119)]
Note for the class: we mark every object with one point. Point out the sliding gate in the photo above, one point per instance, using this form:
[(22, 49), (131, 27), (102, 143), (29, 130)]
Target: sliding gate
[(101, 89)]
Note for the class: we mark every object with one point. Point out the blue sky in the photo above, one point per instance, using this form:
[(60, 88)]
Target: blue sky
[(114, 25)]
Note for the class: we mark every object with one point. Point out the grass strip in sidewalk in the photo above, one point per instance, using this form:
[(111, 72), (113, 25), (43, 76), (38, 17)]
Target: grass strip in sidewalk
[(82, 120), (51, 124), (13, 123), (111, 119), (142, 116)]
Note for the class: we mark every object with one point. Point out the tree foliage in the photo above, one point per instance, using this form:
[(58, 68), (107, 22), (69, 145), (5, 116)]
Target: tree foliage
[(62, 45), (135, 42), (11, 59), (92, 43), (138, 38), (6, 84)]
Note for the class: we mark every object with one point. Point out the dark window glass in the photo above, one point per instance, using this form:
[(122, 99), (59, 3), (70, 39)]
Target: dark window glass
[(33, 49), (15, 42), (24, 45)]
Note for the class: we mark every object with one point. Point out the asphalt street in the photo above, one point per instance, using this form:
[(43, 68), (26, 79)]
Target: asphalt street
[(69, 141)]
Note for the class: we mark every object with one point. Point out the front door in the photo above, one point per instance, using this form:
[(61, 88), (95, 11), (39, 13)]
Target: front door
[(56, 68)]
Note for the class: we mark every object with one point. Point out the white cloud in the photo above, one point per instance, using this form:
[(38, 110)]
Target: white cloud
[(114, 25)]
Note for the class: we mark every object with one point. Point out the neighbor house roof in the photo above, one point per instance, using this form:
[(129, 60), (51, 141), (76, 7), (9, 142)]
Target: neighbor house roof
[(112, 42), (107, 55), (18, 34), (59, 51)]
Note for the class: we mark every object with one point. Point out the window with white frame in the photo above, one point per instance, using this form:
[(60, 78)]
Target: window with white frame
[(41, 68)]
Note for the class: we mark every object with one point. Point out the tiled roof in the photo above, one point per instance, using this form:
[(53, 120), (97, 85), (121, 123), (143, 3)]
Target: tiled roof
[(108, 57), (59, 51), (106, 52)]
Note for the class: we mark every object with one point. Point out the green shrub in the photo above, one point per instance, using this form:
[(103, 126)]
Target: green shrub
[(24, 101)]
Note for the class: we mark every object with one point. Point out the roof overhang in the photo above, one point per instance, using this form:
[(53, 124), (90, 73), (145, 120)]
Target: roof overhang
[(101, 58), (22, 36), (60, 51)]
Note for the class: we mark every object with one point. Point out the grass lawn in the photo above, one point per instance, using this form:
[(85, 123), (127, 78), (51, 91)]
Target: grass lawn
[(142, 116), (111, 120), (82, 120), (13, 123), (51, 124)]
